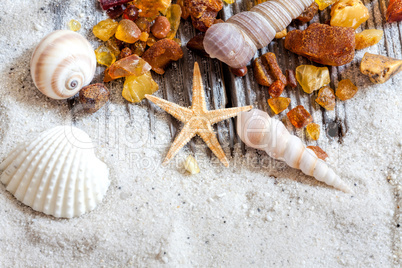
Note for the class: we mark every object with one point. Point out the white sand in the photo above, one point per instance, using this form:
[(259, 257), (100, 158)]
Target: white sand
[(240, 216)]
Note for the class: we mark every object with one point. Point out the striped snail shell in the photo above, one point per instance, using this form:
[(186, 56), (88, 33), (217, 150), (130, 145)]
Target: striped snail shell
[(62, 64), (236, 41), (258, 130)]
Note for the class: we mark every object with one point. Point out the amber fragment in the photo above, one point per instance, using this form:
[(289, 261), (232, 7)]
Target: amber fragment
[(136, 87), (309, 13), (240, 72), (106, 4), (104, 56), (74, 25), (368, 38), (291, 78), (328, 45), (151, 8), (162, 53), (196, 44), (318, 152), (144, 36), (130, 13), (129, 66), (151, 40), (115, 12), (127, 31), (107, 77), (173, 15), (313, 130), (312, 78), (125, 52), (323, 4), (394, 11), (161, 27), (139, 48), (105, 29), (143, 24), (379, 68), (185, 12), (113, 45), (267, 70), (326, 98), (299, 117), (279, 104), (203, 12), (346, 90), (281, 35), (93, 97), (276, 89), (349, 13)]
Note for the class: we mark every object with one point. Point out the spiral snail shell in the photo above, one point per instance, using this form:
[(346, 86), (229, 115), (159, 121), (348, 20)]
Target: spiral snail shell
[(236, 41), (62, 63)]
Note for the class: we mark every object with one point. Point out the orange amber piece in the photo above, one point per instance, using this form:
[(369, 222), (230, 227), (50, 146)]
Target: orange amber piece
[(318, 152), (105, 29), (276, 89), (299, 117), (313, 130), (151, 8), (346, 90), (279, 104), (127, 31), (129, 66), (162, 53), (326, 98)]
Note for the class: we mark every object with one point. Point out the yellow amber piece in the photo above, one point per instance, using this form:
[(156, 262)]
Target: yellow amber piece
[(346, 90), (151, 8), (313, 130), (105, 29), (173, 15), (113, 47), (151, 41), (349, 13), (368, 38), (135, 87), (144, 36), (74, 25), (127, 31), (312, 78), (323, 4), (104, 56), (229, 2), (326, 98), (278, 104)]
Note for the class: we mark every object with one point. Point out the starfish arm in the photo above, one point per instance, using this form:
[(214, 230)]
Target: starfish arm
[(209, 137), (223, 114), (198, 103), (185, 135), (180, 113)]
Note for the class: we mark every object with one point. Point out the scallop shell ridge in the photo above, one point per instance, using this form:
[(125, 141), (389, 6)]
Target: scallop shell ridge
[(57, 173)]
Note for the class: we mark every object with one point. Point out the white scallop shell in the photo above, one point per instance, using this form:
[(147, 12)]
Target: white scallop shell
[(62, 64), (57, 173), (257, 130)]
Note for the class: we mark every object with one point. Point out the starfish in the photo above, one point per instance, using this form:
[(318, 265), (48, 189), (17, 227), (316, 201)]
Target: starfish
[(197, 120)]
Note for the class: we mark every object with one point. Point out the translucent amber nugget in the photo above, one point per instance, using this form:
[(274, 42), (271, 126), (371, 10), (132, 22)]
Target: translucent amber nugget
[(313, 130), (279, 104), (323, 4), (127, 31), (104, 56), (349, 13), (129, 66), (368, 38), (151, 8), (394, 11), (113, 46), (173, 15), (346, 90), (318, 151), (105, 29), (312, 78), (135, 87), (229, 2), (276, 89), (74, 25), (326, 98), (299, 117)]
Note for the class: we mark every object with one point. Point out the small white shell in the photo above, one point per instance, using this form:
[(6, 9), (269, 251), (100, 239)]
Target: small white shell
[(257, 130), (62, 64), (57, 173)]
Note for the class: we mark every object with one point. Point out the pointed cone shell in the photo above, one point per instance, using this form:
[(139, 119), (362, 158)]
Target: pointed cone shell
[(275, 14), (57, 173), (62, 64), (294, 8)]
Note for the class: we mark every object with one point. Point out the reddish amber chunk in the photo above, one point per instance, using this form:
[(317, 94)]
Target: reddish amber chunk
[(240, 72), (313, 130), (326, 98), (128, 31), (130, 13), (106, 4), (105, 29), (346, 90), (276, 89), (129, 66), (299, 117), (125, 52), (394, 11), (278, 105), (318, 152)]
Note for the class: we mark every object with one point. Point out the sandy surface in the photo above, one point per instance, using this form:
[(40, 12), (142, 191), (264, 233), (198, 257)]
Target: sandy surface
[(257, 212)]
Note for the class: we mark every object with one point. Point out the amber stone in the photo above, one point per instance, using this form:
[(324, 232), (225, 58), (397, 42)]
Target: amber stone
[(346, 90), (151, 8), (318, 152), (368, 38), (299, 117), (115, 12), (74, 25), (323, 4), (267, 70), (125, 52), (349, 13), (151, 40), (196, 44), (127, 31), (279, 104), (113, 45), (161, 27), (229, 1), (136, 87), (106, 4), (173, 15), (312, 78), (326, 98), (104, 56), (143, 24), (313, 130), (240, 72), (291, 78), (309, 13), (394, 11), (139, 48), (129, 66), (105, 29), (276, 89), (93, 97), (130, 13)]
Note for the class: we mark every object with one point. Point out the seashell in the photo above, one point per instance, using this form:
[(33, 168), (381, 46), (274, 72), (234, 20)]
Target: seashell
[(257, 130), (62, 64), (57, 173), (256, 28)]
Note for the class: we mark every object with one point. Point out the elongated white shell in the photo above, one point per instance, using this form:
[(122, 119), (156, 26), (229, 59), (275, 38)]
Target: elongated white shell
[(62, 64), (57, 173), (257, 130), (236, 41)]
